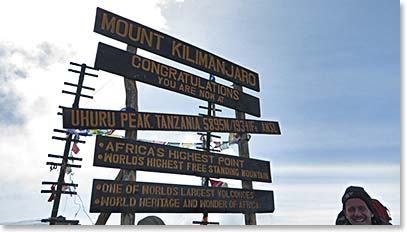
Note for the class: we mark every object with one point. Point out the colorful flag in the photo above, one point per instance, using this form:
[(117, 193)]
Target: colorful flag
[(75, 148), (52, 197), (218, 183), (234, 138), (110, 132)]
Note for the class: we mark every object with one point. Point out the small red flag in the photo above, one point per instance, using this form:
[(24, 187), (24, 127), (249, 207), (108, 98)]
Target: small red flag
[(218, 183), (75, 148), (52, 197)]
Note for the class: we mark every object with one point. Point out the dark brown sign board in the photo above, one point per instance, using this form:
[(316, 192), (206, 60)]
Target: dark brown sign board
[(139, 68), (122, 120), (131, 196), (136, 155), (138, 35)]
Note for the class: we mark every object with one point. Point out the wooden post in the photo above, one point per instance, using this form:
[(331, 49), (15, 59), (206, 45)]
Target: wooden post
[(131, 102), (249, 218)]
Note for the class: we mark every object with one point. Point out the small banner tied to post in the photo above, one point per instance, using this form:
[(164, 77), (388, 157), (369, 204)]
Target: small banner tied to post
[(53, 192), (218, 183), (75, 148)]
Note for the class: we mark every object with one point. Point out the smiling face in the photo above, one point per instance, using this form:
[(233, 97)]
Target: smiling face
[(357, 212)]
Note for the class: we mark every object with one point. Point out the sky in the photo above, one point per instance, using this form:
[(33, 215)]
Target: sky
[(329, 74)]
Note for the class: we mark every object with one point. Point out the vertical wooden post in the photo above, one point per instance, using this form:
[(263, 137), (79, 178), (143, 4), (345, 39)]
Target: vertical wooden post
[(131, 102), (249, 218)]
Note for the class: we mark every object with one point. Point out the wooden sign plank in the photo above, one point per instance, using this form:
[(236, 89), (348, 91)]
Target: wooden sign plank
[(138, 35), (121, 120), (139, 68), (130, 196), (136, 155)]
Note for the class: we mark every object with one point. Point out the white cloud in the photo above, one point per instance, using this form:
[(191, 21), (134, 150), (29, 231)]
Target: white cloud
[(41, 40)]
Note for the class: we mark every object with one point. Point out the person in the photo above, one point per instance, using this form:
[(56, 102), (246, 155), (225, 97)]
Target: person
[(151, 220), (357, 209)]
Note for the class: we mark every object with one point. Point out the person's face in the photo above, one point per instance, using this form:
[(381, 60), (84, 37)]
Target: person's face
[(357, 212)]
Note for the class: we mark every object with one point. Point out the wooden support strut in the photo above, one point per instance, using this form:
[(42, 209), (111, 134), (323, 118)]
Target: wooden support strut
[(103, 217), (250, 218), (131, 102)]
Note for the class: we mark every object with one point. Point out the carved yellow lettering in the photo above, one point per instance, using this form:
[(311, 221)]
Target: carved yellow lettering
[(135, 61), (108, 24), (130, 148), (139, 121), (94, 119), (131, 33), (220, 66), (245, 76), (160, 152), (211, 63), (122, 28), (141, 150), (237, 74), (132, 188), (231, 73), (163, 123), (158, 44), (102, 119), (119, 146), (170, 121), (124, 117), (146, 120), (148, 37), (252, 79), (188, 53), (203, 59), (75, 118), (84, 118), (110, 147), (173, 73), (132, 120), (175, 49)]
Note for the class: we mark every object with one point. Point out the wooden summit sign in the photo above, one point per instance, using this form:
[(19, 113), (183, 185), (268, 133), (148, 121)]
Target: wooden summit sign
[(139, 68), (138, 35), (122, 120), (130, 196), (137, 155)]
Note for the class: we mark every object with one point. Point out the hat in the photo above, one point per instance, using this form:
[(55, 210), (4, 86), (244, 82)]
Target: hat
[(357, 192), (151, 220)]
